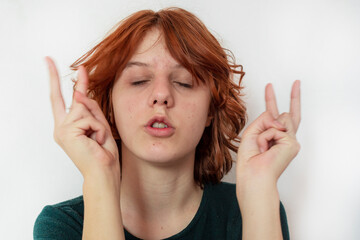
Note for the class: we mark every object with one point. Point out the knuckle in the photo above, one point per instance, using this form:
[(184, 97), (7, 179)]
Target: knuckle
[(273, 130), (285, 115), (79, 108)]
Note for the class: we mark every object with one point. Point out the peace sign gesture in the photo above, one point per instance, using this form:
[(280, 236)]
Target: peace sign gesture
[(83, 133), (269, 143)]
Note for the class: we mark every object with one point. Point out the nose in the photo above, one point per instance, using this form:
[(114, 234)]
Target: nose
[(161, 94)]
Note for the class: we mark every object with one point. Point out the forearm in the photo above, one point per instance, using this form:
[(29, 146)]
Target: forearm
[(102, 213), (260, 211)]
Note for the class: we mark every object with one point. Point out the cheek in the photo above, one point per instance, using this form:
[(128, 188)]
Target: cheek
[(130, 107), (196, 116), (125, 114), (189, 109)]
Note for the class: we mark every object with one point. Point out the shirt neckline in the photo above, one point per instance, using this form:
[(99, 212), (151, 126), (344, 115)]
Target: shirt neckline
[(190, 226)]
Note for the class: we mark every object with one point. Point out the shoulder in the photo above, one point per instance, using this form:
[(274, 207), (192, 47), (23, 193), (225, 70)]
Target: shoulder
[(226, 193), (70, 208), (63, 220), (224, 205)]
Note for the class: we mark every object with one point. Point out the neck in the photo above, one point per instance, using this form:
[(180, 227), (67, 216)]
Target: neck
[(158, 200), (152, 192)]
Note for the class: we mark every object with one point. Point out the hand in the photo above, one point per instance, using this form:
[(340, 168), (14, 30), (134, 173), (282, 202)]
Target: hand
[(269, 143), (83, 133)]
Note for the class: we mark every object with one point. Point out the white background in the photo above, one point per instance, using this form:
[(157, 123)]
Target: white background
[(276, 41)]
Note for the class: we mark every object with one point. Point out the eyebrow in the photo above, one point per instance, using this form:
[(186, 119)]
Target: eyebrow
[(139, 64), (142, 64)]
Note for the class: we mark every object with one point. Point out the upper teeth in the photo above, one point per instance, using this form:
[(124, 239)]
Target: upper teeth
[(159, 125)]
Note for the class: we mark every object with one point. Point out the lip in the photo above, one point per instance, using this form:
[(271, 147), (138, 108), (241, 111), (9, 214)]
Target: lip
[(159, 132)]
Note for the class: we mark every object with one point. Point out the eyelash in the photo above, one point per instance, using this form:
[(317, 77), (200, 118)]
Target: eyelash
[(185, 85), (139, 82)]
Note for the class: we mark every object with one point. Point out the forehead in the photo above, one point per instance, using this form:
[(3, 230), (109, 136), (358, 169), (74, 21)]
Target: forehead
[(153, 50), (151, 38)]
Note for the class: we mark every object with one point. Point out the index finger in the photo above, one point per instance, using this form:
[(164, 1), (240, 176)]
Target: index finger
[(295, 108), (57, 101), (270, 100), (83, 80)]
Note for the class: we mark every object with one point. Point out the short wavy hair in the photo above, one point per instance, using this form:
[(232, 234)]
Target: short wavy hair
[(194, 47)]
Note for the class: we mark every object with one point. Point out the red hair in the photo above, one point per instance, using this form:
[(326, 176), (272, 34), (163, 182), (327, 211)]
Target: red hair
[(193, 46)]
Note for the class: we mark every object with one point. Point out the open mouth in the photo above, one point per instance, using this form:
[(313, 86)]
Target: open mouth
[(159, 127)]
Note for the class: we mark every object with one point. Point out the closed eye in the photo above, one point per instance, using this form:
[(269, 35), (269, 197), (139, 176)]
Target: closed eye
[(139, 82), (184, 85)]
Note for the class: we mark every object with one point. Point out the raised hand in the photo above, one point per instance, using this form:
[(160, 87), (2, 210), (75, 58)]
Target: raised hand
[(269, 143), (267, 147), (83, 133)]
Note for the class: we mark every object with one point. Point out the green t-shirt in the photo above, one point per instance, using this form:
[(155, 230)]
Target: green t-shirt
[(218, 218)]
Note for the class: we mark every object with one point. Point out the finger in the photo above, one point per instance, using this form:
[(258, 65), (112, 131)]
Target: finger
[(270, 135), (286, 120), (77, 112), (295, 107), (262, 123), (83, 81), (92, 129), (81, 84), (93, 107), (270, 100), (57, 101)]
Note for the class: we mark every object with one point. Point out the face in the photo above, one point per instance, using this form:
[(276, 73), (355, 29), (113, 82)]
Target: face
[(160, 111)]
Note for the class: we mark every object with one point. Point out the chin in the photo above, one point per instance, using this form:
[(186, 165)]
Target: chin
[(163, 156), (160, 157), (159, 153)]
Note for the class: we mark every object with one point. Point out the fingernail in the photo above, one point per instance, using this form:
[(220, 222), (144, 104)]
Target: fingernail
[(262, 149)]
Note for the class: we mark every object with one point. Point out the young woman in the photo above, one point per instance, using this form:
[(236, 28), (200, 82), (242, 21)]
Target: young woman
[(154, 116)]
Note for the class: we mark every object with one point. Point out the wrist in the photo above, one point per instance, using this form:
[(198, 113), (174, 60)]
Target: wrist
[(102, 210), (103, 173), (260, 213), (257, 192), (101, 183)]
